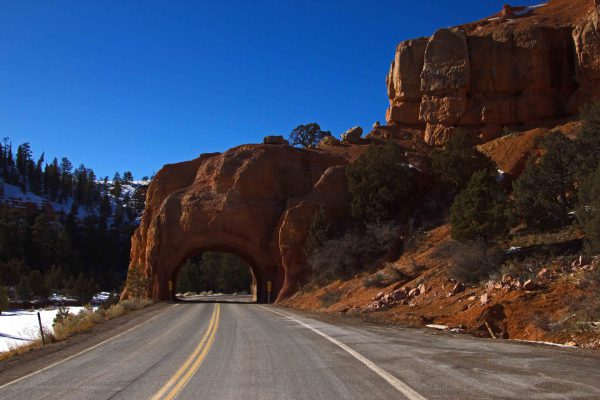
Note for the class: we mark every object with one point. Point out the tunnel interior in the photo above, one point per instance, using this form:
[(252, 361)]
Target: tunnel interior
[(219, 270)]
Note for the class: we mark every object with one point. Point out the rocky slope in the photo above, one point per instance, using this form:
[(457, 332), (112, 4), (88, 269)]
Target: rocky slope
[(518, 68)]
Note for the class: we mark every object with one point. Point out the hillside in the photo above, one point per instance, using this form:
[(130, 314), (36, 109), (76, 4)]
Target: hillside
[(63, 230)]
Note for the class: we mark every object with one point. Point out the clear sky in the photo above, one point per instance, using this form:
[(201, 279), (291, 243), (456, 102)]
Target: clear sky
[(133, 85)]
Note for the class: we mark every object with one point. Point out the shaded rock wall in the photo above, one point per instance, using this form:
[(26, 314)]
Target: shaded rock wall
[(485, 80)]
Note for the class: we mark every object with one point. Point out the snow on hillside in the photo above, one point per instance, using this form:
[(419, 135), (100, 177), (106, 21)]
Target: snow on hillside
[(19, 327), (14, 197)]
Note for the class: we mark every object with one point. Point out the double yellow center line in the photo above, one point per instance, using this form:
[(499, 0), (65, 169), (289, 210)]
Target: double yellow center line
[(181, 378)]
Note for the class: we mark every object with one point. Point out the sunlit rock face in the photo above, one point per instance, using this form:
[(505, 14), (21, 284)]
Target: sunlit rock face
[(510, 70)]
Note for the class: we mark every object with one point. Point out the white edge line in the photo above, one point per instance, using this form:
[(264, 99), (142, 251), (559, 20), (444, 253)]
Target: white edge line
[(402, 387), (83, 351)]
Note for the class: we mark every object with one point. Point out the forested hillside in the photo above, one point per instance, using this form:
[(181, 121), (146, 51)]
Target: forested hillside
[(63, 229)]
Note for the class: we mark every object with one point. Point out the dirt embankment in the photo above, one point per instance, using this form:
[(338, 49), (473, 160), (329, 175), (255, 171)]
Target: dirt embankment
[(530, 298)]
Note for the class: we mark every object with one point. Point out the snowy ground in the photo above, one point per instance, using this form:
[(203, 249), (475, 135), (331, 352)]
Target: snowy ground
[(19, 327)]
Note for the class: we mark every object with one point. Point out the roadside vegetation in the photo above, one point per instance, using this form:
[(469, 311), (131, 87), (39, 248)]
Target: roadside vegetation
[(67, 324)]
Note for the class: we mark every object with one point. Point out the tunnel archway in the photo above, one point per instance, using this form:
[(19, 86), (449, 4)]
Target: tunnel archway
[(257, 277), (254, 201), (213, 274)]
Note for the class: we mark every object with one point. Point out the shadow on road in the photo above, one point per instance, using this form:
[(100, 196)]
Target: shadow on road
[(238, 299)]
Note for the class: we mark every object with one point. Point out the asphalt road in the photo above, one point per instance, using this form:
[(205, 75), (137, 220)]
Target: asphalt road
[(206, 350)]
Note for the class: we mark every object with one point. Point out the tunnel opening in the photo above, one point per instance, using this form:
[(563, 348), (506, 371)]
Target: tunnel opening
[(213, 274), (222, 273)]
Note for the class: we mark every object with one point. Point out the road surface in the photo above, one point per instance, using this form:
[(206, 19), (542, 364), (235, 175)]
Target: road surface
[(208, 350)]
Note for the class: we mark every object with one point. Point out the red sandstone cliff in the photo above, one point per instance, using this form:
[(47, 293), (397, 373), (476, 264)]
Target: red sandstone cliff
[(517, 68)]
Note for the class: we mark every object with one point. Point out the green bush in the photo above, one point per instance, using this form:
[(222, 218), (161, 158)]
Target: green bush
[(381, 184), (479, 211)]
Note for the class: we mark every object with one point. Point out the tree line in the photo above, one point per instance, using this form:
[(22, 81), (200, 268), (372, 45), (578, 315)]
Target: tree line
[(43, 251)]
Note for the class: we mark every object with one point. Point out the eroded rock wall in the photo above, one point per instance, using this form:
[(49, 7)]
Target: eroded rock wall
[(485, 80)]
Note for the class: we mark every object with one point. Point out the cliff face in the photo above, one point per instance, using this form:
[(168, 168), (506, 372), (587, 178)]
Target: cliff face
[(521, 67)]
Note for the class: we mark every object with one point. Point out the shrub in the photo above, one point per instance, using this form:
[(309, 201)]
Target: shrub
[(470, 262), (381, 184), (379, 279), (545, 192), (353, 252), (454, 165), (330, 298), (479, 211)]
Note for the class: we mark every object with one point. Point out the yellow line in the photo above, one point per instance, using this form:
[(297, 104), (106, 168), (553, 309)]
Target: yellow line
[(198, 355)]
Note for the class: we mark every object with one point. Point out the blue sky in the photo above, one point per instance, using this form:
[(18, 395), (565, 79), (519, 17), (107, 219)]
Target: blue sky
[(132, 85)]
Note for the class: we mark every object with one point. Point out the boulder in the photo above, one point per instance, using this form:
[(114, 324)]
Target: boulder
[(275, 140), (399, 294), (352, 135), (328, 141)]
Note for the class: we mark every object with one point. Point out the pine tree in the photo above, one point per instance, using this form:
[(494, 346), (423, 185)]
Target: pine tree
[(458, 161), (479, 211), (37, 284), (381, 184), (307, 135), (4, 304), (588, 211), (23, 289), (545, 192)]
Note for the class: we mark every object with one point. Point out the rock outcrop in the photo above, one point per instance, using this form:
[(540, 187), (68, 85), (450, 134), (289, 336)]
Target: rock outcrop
[(256, 201), (511, 70)]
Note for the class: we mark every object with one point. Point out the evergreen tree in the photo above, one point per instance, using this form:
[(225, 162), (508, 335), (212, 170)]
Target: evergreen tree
[(381, 184), (4, 304), (479, 211), (458, 161), (545, 192), (55, 278), (588, 212), (587, 143), (84, 289), (11, 271), (307, 135), (23, 289), (37, 284)]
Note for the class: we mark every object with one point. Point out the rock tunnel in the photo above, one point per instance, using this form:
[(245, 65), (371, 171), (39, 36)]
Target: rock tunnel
[(254, 201)]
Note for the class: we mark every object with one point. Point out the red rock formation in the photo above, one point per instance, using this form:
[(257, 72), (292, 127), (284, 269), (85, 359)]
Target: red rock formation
[(255, 201), (535, 64)]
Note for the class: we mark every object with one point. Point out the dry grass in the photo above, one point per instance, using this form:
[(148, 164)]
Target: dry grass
[(31, 346), (84, 321)]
